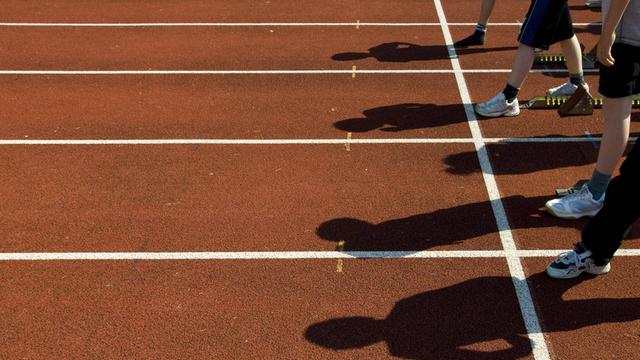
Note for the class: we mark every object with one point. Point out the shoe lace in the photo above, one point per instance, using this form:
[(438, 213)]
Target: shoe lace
[(582, 194), (570, 258)]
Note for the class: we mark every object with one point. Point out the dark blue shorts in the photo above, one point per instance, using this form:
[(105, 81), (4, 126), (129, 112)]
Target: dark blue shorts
[(547, 22)]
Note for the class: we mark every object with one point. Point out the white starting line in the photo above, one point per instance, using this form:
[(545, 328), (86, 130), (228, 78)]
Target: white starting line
[(585, 139), (254, 24), (286, 255), (274, 72)]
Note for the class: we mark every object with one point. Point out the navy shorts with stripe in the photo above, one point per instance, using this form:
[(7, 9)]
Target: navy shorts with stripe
[(547, 22)]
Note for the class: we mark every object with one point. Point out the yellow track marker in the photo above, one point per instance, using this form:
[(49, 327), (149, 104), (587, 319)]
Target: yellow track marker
[(357, 24), (340, 247), (353, 74), (348, 144)]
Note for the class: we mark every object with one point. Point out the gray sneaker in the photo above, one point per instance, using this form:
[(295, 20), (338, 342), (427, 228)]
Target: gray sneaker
[(498, 106)]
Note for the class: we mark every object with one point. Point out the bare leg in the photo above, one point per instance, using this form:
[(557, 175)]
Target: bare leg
[(572, 54), (521, 65), (485, 11), (617, 116)]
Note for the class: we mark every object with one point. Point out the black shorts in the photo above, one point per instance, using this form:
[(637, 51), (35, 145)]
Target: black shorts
[(623, 78), (547, 22)]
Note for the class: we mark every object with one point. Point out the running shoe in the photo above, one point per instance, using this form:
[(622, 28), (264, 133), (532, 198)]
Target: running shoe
[(576, 205), (566, 89), (571, 264), (498, 106)]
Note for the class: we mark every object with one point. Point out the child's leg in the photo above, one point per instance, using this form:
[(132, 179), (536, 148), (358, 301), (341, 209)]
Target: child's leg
[(573, 57), (506, 102), (477, 38), (617, 84), (485, 11), (521, 65), (617, 116)]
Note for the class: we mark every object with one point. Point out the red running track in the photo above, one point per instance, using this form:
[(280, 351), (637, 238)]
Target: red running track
[(400, 197)]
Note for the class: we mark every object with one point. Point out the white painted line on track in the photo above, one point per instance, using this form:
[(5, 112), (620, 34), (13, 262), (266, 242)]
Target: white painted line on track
[(286, 255), (273, 72), (343, 141), (236, 141), (251, 24), (525, 300)]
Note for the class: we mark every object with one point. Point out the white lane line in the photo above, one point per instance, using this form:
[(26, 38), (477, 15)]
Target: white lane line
[(285, 141), (236, 141), (296, 141), (554, 253), (250, 24), (273, 72), (525, 300), (594, 143), (285, 255)]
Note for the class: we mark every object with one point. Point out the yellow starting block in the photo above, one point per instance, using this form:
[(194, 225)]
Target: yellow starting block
[(589, 60), (580, 103), (554, 102)]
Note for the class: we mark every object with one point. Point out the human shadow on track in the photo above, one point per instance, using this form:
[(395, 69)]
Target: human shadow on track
[(447, 226), (526, 158), (400, 117), (405, 52), (469, 320)]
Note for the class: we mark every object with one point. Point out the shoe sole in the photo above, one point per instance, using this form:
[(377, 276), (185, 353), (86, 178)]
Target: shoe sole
[(499, 114), (570, 216), (602, 271), (562, 275)]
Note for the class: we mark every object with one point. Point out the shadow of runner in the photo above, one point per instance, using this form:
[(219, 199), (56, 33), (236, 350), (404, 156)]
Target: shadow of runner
[(442, 227), (476, 319), (448, 323), (396, 118), (405, 52), (560, 315), (525, 158)]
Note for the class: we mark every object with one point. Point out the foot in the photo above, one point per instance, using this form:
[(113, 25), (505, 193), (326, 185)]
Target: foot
[(572, 263), (566, 89), (498, 106), (477, 38), (576, 205)]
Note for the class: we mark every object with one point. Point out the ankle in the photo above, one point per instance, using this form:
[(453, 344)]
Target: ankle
[(510, 92)]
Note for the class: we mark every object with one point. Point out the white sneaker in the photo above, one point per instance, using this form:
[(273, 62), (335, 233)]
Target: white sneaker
[(498, 106), (574, 206), (571, 264), (566, 89)]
